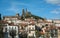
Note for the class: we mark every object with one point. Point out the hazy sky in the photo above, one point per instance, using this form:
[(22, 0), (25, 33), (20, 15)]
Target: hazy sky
[(49, 9)]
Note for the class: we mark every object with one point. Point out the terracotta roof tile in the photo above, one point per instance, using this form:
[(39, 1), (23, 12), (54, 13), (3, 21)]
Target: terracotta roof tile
[(23, 24), (11, 23), (32, 22), (42, 33), (3, 22)]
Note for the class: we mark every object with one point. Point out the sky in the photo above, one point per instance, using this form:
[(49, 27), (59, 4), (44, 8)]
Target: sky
[(49, 9)]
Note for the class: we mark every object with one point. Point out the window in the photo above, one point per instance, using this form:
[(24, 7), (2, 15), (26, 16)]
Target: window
[(33, 29), (29, 28), (21, 27), (29, 31), (5, 29)]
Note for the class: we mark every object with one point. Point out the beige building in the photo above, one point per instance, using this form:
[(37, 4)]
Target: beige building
[(10, 19), (57, 24), (31, 29), (28, 24)]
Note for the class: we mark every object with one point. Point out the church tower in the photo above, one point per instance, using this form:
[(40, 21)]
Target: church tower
[(23, 14), (26, 12)]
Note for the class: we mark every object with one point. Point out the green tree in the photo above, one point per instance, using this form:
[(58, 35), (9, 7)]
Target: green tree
[(37, 34), (1, 31), (13, 33)]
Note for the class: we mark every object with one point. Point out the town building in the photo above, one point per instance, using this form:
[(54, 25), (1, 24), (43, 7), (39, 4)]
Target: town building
[(25, 25), (10, 31)]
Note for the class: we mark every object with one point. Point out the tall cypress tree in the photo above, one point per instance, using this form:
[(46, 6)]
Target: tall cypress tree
[(0, 16)]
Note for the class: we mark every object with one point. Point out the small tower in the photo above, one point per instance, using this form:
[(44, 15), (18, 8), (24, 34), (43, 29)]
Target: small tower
[(26, 12), (23, 14), (17, 14)]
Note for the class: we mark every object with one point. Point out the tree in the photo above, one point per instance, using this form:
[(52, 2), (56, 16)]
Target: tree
[(13, 33), (37, 33), (1, 31), (37, 17), (0, 16)]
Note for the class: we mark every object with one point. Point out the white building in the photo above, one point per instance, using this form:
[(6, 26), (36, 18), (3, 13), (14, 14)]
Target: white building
[(57, 22), (8, 29), (31, 29)]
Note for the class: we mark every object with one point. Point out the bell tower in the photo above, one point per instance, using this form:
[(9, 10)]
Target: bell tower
[(26, 12), (23, 14)]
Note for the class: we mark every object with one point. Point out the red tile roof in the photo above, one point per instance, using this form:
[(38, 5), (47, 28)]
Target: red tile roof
[(11, 24), (23, 24), (32, 22), (3, 22), (41, 32)]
